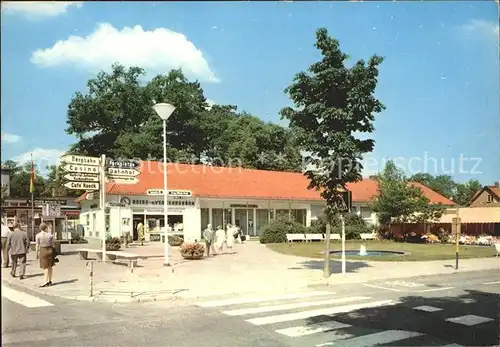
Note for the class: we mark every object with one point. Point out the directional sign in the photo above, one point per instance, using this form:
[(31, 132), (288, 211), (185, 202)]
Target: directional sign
[(79, 159), (170, 192), (123, 172), (92, 196), (82, 185), (123, 180), (122, 164), (82, 177), (81, 168)]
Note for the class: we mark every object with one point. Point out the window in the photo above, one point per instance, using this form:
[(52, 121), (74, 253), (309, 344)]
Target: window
[(87, 219), (366, 212), (489, 198), (94, 221), (204, 218)]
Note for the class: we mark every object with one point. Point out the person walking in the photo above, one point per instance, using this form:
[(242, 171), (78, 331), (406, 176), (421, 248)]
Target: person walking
[(220, 238), (18, 246), (140, 233), (230, 237), (208, 235), (5, 253), (45, 251)]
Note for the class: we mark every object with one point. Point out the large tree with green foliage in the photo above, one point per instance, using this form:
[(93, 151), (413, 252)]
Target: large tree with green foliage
[(398, 201), (115, 118), (20, 176), (334, 103)]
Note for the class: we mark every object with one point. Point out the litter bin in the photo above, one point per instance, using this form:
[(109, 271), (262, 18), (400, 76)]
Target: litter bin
[(57, 246)]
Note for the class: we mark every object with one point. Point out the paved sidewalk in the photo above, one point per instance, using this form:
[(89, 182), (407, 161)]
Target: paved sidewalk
[(252, 269)]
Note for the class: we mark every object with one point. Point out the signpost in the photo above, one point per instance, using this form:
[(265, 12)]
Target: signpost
[(123, 172), (82, 177), (82, 185), (123, 180), (81, 168), (79, 159)]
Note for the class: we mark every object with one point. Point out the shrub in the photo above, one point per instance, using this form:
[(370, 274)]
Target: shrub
[(352, 232), (276, 231), (318, 226), (175, 240), (192, 250), (443, 236), (76, 238), (113, 243)]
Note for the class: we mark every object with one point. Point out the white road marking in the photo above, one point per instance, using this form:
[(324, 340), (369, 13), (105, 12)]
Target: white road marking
[(324, 311), (23, 298), (468, 301), (452, 345), (469, 320), (497, 282), (304, 330), (433, 290), (292, 306), (405, 284), (380, 287), (383, 337), (428, 308), (251, 300)]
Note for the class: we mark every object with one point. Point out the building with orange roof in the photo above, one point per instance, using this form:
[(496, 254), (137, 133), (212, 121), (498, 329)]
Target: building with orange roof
[(488, 196), (203, 194)]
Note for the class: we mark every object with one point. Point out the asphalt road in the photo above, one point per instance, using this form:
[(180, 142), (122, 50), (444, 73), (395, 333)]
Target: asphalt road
[(447, 310)]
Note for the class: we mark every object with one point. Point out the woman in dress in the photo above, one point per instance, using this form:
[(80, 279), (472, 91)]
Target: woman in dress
[(230, 238), (220, 238), (45, 251)]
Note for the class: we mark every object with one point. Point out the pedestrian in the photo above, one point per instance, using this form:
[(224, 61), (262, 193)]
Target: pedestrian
[(208, 235), (5, 253), (220, 238), (140, 233), (18, 246), (230, 237), (45, 250)]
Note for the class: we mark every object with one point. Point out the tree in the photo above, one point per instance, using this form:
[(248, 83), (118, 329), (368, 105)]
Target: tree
[(3, 196), (55, 184), (398, 201), (20, 176), (465, 192), (442, 184), (333, 103)]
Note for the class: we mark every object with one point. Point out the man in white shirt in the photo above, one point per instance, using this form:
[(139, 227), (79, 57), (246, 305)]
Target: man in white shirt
[(5, 253)]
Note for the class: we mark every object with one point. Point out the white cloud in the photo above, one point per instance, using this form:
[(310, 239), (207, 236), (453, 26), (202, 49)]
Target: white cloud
[(42, 157), (158, 50), (10, 138), (482, 27), (39, 9)]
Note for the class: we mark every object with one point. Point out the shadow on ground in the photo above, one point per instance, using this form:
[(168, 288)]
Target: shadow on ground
[(403, 316), (335, 266)]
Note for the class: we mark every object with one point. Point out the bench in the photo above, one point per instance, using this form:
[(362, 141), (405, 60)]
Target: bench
[(314, 237), (131, 258), (497, 248), (295, 237), (83, 253), (367, 236), (335, 237)]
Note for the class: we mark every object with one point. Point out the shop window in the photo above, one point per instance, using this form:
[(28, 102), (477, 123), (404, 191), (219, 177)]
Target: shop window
[(204, 218), (299, 216)]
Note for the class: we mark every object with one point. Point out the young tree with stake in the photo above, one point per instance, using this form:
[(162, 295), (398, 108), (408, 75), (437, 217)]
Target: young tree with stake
[(333, 103)]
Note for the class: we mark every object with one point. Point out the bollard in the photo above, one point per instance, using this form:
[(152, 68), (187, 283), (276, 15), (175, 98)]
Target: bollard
[(90, 266)]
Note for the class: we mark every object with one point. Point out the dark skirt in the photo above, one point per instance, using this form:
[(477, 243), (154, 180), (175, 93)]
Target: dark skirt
[(46, 257)]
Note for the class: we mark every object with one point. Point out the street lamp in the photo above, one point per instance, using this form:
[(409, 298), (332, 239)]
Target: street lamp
[(164, 111)]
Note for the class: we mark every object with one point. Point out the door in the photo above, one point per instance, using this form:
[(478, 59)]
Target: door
[(136, 220), (240, 219)]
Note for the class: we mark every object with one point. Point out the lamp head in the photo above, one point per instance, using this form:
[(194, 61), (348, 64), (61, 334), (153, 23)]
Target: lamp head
[(164, 110)]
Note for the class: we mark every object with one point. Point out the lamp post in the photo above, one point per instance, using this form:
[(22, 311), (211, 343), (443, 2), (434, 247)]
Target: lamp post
[(164, 111)]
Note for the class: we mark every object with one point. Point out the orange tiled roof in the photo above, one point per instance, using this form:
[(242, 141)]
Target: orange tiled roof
[(238, 183)]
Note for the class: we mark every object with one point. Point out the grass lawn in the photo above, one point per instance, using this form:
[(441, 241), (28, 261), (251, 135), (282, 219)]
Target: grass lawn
[(415, 251)]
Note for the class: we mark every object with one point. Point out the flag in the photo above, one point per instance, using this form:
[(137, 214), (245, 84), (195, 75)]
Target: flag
[(32, 176)]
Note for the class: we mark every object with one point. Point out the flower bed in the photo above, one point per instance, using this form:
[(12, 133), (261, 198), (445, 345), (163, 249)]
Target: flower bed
[(192, 250), (175, 240)]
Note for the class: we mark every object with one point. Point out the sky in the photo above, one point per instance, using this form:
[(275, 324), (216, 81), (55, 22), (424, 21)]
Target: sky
[(439, 80)]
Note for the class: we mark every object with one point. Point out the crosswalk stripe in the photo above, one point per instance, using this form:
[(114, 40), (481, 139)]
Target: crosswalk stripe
[(252, 300), (313, 313), (387, 336), (469, 320), (304, 330), (23, 298), (291, 306)]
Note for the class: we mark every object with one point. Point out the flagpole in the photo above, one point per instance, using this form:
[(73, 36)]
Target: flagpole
[(32, 203)]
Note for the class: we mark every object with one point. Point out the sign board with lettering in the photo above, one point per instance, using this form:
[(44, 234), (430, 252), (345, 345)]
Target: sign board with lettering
[(47, 201), (122, 164), (123, 172), (82, 177), (92, 196), (123, 180), (80, 159), (244, 206), (82, 185), (170, 192), (81, 168)]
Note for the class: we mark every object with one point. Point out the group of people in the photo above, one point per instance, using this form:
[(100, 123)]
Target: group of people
[(215, 240), (16, 246)]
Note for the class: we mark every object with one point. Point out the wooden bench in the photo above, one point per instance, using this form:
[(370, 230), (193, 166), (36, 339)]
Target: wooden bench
[(335, 237), (367, 236), (295, 237), (131, 258), (314, 237), (83, 253)]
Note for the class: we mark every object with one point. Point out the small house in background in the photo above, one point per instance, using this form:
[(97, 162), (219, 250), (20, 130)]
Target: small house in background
[(488, 196)]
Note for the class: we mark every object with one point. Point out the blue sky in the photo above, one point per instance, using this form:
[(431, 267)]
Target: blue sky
[(439, 79)]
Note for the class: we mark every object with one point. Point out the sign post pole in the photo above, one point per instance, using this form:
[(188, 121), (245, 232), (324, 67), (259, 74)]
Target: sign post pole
[(326, 267), (343, 243), (103, 204)]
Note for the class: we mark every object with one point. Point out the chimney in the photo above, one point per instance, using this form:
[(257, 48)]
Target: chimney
[(373, 177), (497, 184)]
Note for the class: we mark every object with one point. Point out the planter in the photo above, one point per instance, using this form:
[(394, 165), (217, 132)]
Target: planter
[(192, 250), (192, 257)]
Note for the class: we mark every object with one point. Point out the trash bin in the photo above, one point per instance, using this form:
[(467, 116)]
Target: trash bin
[(57, 246)]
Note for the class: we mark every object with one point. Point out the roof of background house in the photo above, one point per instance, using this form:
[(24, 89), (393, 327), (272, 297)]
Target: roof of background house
[(492, 189), (224, 182)]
